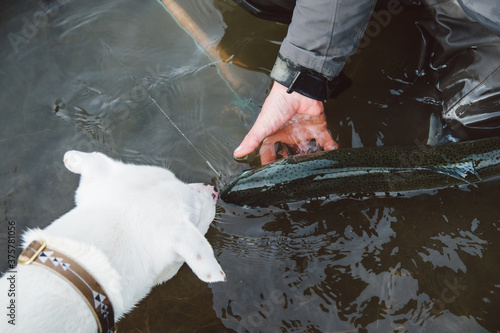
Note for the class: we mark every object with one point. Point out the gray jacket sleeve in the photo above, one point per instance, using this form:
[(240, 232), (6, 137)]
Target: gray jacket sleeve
[(321, 37)]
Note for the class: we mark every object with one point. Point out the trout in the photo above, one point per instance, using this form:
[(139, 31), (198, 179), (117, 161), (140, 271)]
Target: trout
[(366, 172)]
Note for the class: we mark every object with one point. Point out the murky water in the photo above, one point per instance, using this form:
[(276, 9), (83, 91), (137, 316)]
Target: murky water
[(82, 75)]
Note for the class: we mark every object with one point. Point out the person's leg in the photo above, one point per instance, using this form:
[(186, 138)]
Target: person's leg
[(466, 58)]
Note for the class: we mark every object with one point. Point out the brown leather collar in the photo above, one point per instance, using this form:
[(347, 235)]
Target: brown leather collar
[(38, 253)]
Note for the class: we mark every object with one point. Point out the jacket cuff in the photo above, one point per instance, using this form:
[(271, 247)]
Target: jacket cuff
[(302, 80)]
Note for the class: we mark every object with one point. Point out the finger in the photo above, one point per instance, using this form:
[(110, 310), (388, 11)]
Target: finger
[(262, 128), (267, 151), (325, 140), (247, 146)]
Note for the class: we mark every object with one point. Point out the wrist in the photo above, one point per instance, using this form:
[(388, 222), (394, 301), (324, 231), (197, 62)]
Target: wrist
[(298, 102), (297, 78)]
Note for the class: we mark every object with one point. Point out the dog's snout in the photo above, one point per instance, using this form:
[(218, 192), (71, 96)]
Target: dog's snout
[(207, 187), (215, 195)]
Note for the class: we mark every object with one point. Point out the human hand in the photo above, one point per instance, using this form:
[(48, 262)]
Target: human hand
[(292, 119)]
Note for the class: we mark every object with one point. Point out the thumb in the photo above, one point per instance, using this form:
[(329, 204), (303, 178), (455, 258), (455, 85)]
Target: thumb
[(275, 112), (252, 140), (248, 145)]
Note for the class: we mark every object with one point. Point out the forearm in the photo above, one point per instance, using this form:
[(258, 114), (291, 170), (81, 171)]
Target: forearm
[(321, 37)]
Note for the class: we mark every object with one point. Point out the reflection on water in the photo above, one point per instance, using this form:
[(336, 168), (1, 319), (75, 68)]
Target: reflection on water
[(381, 265), (83, 80)]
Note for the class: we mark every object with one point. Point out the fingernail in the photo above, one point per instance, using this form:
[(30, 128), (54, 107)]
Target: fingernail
[(240, 148)]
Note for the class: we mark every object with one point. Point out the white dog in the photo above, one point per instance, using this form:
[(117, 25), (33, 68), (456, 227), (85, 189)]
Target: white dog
[(132, 227)]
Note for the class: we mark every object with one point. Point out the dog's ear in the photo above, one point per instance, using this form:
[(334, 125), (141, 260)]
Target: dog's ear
[(194, 248), (79, 162)]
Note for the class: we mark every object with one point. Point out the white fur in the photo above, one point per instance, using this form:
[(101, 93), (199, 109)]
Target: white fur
[(132, 227)]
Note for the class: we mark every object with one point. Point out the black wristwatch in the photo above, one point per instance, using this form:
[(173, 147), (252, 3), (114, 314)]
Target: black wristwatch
[(302, 80)]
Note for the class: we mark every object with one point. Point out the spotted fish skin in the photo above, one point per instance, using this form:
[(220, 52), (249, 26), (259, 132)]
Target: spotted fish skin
[(366, 172)]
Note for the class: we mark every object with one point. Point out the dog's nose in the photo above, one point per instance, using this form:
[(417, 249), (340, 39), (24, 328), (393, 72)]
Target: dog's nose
[(215, 194)]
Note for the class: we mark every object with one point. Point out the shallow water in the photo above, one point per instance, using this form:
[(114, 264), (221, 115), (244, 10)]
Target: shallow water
[(83, 80)]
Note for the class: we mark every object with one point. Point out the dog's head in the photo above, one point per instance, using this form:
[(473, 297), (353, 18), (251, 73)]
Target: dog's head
[(151, 200)]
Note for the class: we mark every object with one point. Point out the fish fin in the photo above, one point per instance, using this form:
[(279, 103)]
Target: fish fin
[(458, 171)]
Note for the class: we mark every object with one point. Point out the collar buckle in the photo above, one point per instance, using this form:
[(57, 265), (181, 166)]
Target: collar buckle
[(31, 252)]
